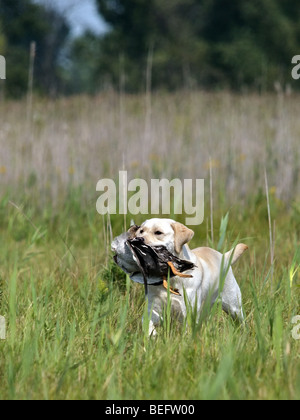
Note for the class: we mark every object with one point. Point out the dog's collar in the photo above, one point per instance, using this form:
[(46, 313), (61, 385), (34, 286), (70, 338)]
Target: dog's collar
[(159, 283)]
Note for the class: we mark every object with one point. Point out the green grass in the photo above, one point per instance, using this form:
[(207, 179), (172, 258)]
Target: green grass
[(74, 320)]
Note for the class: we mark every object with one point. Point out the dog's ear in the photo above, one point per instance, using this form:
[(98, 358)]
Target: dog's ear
[(182, 235)]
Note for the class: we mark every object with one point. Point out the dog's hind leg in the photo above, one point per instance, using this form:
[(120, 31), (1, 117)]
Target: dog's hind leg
[(232, 298), (235, 311)]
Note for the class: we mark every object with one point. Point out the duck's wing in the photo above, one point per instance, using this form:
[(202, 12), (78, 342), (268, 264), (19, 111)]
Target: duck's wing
[(162, 254), (166, 256), (182, 265)]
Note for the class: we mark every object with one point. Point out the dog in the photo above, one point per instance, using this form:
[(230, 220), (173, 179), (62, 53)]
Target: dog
[(205, 278), (199, 284)]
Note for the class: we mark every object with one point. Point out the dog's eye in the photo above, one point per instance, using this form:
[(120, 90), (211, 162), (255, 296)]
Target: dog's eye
[(141, 231), (158, 233)]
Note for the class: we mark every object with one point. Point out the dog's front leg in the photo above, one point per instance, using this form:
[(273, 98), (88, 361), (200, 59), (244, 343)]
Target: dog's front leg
[(152, 324), (152, 330), (154, 311), (154, 320)]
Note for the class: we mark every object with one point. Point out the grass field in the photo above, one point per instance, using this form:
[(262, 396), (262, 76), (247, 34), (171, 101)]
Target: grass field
[(73, 319)]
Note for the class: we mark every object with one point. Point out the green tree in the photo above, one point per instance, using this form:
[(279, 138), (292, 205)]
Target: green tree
[(80, 75), (2, 40), (252, 42), (22, 23), (141, 26), (200, 42)]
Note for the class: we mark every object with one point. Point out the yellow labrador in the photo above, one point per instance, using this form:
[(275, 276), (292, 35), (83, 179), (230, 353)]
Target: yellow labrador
[(205, 278)]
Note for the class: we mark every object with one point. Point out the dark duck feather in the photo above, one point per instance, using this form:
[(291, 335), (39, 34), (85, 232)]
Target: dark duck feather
[(158, 261), (155, 259)]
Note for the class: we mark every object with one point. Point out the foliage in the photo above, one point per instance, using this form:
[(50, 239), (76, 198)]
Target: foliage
[(164, 45), (74, 327), (73, 332), (21, 22), (80, 76), (209, 42)]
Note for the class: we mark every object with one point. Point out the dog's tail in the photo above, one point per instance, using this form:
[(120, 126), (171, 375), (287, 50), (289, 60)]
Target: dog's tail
[(233, 255)]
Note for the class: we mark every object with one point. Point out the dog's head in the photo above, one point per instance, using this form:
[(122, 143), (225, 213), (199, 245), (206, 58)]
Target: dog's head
[(166, 232)]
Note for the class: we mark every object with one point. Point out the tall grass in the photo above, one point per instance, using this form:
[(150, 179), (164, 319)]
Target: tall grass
[(75, 142), (74, 325), (73, 319)]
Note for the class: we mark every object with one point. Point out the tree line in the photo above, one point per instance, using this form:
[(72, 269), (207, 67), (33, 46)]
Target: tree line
[(21, 23), (174, 44)]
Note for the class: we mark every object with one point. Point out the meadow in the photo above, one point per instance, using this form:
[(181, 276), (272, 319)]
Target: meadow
[(73, 319)]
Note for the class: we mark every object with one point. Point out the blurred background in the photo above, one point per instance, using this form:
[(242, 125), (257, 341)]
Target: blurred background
[(171, 89), (188, 89), (95, 45)]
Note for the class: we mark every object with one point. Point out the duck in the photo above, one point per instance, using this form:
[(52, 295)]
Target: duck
[(158, 261)]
